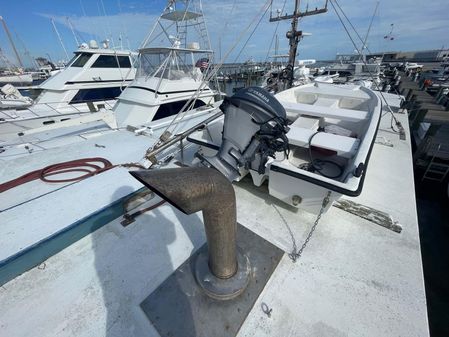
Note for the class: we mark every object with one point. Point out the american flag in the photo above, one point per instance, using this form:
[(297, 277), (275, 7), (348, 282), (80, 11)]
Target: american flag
[(202, 63)]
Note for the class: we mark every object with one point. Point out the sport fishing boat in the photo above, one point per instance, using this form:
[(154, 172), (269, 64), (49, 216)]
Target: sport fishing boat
[(93, 79), (166, 79)]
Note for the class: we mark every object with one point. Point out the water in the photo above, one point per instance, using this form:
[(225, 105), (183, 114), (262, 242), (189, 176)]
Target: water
[(231, 87)]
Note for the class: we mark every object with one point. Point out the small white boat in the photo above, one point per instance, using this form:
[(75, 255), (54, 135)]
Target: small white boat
[(305, 141)]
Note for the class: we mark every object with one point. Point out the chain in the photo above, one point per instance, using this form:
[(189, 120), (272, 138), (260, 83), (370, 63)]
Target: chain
[(296, 254)]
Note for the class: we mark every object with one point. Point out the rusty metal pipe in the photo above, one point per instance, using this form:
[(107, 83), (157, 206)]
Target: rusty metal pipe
[(202, 189)]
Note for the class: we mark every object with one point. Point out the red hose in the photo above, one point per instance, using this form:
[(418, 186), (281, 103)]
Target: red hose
[(88, 166)]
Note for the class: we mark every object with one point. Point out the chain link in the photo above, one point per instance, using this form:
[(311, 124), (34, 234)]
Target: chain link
[(296, 254)]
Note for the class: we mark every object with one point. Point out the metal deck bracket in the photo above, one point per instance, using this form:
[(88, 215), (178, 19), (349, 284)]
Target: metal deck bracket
[(179, 306)]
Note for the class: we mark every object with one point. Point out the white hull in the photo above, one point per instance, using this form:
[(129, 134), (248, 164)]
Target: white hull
[(349, 116), (11, 103), (16, 79)]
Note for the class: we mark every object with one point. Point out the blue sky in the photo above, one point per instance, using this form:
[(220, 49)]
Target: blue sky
[(416, 25)]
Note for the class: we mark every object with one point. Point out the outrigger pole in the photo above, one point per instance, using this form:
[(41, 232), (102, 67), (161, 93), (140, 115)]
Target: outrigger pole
[(11, 41)]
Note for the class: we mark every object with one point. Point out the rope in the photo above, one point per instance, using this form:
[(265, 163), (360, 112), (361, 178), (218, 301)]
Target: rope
[(88, 167), (251, 35), (275, 32), (352, 26), (398, 124)]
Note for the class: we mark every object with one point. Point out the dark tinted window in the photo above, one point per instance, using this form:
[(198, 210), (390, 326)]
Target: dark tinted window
[(169, 109), (112, 61), (72, 59), (81, 60), (91, 95)]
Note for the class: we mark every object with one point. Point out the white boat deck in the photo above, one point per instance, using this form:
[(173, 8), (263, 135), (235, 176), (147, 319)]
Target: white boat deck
[(355, 278)]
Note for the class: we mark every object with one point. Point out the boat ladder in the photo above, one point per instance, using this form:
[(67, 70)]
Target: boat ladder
[(437, 171)]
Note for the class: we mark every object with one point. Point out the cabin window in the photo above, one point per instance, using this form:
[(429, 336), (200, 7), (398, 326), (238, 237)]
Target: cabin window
[(81, 60), (99, 94), (169, 109), (72, 59), (112, 61)]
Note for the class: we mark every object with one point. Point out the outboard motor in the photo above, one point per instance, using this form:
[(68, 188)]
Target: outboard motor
[(255, 127)]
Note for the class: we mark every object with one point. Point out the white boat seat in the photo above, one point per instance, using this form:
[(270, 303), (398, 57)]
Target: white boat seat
[(344, 146), (327, 102), (320, 111)]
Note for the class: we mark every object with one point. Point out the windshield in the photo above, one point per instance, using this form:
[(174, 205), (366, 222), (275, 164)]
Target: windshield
[(173, 65), (81, 60), (72, 59)]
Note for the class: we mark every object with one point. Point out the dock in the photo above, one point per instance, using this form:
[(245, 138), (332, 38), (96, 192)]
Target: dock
[(429, 123)]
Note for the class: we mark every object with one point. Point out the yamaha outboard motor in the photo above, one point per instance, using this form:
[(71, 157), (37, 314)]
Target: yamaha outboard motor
[(254, 129)]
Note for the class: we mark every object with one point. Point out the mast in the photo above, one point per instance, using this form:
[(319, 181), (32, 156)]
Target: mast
[(294, 35), (60, 39), (11, 41)]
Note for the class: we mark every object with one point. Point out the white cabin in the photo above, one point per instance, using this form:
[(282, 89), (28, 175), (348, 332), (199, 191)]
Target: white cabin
[(92, 75)]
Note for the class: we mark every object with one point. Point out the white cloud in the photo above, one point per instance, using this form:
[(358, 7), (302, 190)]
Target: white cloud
[(416, 26)]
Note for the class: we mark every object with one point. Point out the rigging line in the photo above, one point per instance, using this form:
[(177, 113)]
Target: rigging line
[(364, 44), (105, 33), (84, 14), (227, 20), (251, 35), (119, 3), (153, 28), (214, 71), (369, 27), (107, 24), (275, 31), (349, 21), (364, 62)]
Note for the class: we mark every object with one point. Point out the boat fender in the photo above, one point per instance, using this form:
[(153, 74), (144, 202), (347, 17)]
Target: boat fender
[(359, 170)]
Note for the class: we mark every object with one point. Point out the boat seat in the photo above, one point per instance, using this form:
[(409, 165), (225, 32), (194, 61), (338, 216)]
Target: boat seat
[(320, 111), (344, 146), (327, 102)]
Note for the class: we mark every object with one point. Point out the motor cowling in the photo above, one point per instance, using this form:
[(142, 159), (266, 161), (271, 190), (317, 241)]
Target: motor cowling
[(255, 127)]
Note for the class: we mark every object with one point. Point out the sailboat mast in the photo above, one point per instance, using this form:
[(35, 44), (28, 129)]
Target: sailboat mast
[(11, 41), (59, 37)]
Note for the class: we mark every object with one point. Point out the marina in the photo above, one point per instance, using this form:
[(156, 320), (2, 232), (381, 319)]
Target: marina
[(181, 187)]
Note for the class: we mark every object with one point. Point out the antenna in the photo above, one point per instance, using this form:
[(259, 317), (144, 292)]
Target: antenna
[(73, 31), (59, 37), (294, 35), (276, 45), (11, 41)]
